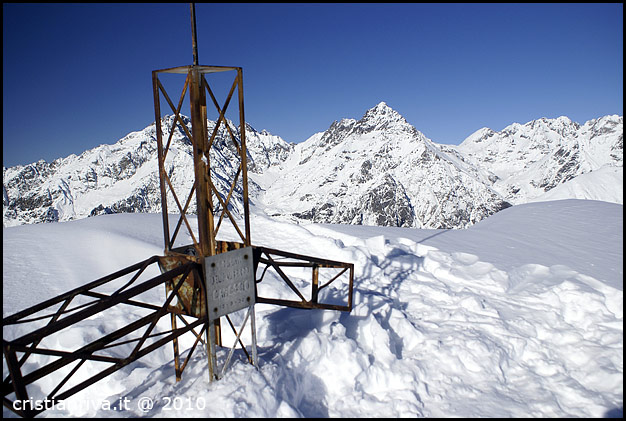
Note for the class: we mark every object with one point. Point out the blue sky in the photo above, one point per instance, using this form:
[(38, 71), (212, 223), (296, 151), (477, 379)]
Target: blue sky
[(79, 75)]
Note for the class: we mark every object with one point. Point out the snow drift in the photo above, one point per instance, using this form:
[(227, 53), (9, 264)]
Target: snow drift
[(520, 315)]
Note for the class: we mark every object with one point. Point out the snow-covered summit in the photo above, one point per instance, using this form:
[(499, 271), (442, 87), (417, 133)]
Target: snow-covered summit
[(531, 159), (377, 169), (382, 117), (123, 177)]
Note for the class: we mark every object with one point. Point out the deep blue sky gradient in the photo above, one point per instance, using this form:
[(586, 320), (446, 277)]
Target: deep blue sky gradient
[(79, 75)]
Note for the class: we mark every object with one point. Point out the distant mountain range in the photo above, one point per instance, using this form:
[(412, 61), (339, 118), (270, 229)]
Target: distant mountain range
[(378, 170)]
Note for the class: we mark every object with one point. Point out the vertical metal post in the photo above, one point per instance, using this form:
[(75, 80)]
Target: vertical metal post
[(315, 284), (201, 164), (255, 359), (159, 134), (211, 345), (16, 377), (177, 369), (244, 159), (193, 33)]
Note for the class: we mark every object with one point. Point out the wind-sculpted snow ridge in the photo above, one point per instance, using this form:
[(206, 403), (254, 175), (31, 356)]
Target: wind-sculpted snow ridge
[(520, 315)]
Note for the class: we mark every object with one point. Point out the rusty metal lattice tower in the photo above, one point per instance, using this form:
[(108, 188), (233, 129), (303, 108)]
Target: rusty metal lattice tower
[(204, 243), (211, 216), (205, 280)]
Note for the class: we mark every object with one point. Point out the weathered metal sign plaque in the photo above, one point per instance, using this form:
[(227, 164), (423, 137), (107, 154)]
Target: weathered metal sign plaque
[(229, 282)]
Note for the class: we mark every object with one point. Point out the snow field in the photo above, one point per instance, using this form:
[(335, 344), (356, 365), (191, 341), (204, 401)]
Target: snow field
[(499, 320)]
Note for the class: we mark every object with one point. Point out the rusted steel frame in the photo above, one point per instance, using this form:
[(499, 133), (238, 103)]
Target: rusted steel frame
[(219, 110), (29, 350), (193, 33), (113, 345), (115, 367), (91, 294), (244, 159), (285, 277), (222, 113), (186, 305), (201, 164), (198, 339), (297, 264), (230, 192), (169, 101), (176, 116), (129, 302), (177, 370), (315, 284), (307, 305), (161, 159), (87, 351), (201, 69), (224, 246), (159, 313), (9, 405), (33, 346), (225, 209), (182, 212), (15, 374), (69, 375), (313, 262), (57, 314), (197, 335), (143, 267), (57, 353), (84, 352), (6, 321), (333, 279), (125, 362), (232, 326), (99, 306), (180, 219), (317, 260), (288, 264)]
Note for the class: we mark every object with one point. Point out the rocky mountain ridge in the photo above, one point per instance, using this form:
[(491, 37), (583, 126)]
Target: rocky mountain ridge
[(529, 160), (377, 170)]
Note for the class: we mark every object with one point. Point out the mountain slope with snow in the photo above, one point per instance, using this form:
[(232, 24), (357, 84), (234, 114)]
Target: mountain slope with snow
[(378, 170), (123, 177), (520, 315), (531, 159)]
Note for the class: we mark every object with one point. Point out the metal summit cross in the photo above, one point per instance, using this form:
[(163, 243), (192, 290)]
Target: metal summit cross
[(204, 281), (230, 268)]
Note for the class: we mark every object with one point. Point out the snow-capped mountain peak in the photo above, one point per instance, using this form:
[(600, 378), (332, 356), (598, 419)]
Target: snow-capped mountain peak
[(530, 159), (378, 170), (375, 170), (123, 177), (382, 118)]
